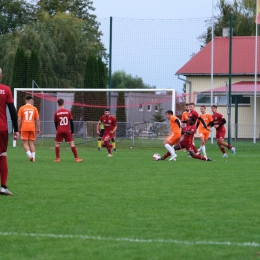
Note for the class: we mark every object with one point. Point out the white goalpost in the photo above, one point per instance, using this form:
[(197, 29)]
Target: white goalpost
[(87, 106)]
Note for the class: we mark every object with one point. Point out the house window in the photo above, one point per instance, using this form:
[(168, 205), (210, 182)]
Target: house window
[(222, 100), (156, 108), (140, 107), (149, 108)]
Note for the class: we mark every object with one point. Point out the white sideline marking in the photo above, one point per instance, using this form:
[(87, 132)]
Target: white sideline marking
[(135, 240)]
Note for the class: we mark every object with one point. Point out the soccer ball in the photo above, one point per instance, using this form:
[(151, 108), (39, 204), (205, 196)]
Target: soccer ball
[(156, 157)]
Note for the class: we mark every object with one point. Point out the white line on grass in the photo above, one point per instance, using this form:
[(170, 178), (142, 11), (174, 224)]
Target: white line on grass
[(135, 240)]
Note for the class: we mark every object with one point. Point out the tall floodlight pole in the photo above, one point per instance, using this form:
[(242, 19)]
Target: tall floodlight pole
[(110, 62), (230, 78), (256, 69), (212, 55)]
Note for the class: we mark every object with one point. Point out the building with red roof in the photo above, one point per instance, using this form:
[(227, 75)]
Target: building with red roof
[(198, 76)]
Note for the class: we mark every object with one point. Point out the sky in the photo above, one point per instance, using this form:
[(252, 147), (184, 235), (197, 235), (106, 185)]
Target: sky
[(154, 9), (176, 51)]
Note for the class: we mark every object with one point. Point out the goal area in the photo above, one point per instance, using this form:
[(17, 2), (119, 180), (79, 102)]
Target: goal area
[(140, 114)]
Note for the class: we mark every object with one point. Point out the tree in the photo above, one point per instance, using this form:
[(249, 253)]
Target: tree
[(120, 78), (91, 80), (34, 69), (79, 8), (158, 116), (14, 15), (243, 20), (19, 73), (63, 47), (34, 74)]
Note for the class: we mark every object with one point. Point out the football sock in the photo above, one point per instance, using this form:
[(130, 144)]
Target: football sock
[(114, 144), (33, 155), (166, 155), (57, 151), (108, 146), (74, 150), (222, 150), (200, 157), (229, 146), (203, 148), (170, 149), (195, 149), (99, 143), (28, 153), (3, 170)]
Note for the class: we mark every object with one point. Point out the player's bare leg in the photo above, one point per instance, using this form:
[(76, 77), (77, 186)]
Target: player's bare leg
[(27, 149)]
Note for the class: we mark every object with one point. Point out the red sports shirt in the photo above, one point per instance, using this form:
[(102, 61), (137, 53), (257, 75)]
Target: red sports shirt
[(63, 117), (109, 123), (5, 98)]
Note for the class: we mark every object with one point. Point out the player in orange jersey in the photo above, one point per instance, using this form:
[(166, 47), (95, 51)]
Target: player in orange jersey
[(28, 126), (185, 115), (174, 136), (204, 132)]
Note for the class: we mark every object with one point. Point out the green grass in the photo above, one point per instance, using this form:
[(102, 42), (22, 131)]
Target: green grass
[(130, 207)]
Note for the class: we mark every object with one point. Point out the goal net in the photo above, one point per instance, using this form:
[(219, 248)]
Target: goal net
[(140, 113)]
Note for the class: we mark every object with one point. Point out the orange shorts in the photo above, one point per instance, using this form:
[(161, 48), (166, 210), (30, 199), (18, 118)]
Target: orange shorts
[(28, 135), (205, 135), (173, 138)]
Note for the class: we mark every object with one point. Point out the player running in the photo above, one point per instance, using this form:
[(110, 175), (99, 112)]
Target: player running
[(218, 122), (110, 125)]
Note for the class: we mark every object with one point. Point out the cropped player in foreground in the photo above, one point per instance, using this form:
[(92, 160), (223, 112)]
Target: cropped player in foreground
[(187, 141), (218, 122), (29, 126), (110, 127), (6, 99), (174, 136), (65, 130)]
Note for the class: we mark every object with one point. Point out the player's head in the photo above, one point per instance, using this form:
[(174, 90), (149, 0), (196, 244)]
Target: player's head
[(191, 106), (214, 108), (107, 112), (29, 99), (202, 109), (169, 113), (191, 120), (60, 101), (186, 108)]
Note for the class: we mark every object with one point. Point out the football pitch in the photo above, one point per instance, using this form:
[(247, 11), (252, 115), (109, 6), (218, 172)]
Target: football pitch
[(131, 207)]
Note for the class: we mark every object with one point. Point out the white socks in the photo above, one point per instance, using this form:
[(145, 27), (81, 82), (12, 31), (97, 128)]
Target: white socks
[(170, 149)]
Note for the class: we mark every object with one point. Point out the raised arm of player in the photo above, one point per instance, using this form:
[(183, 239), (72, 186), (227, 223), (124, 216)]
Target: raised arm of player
[(13, 114), (71, 126)]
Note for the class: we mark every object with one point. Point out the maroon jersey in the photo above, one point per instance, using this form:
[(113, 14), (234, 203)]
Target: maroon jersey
[(109, 123), (188, 138), (217, 119), (193, 114), (63, 117), (5, 98)]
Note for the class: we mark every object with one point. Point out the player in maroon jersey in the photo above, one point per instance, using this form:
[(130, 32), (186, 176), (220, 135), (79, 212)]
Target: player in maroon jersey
[(110, 127), (6, 99), (187, 141), (218, 122), (65, 130)]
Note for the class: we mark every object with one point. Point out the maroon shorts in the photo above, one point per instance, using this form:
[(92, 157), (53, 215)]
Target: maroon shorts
[(188, 146), (109, 135), (3, 141), (221, 134), (63, 135)]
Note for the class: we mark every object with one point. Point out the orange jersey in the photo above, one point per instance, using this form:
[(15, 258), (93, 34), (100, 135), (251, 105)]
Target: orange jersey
[(28, 114), (207, 119), (185, 116), (174, 126)]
